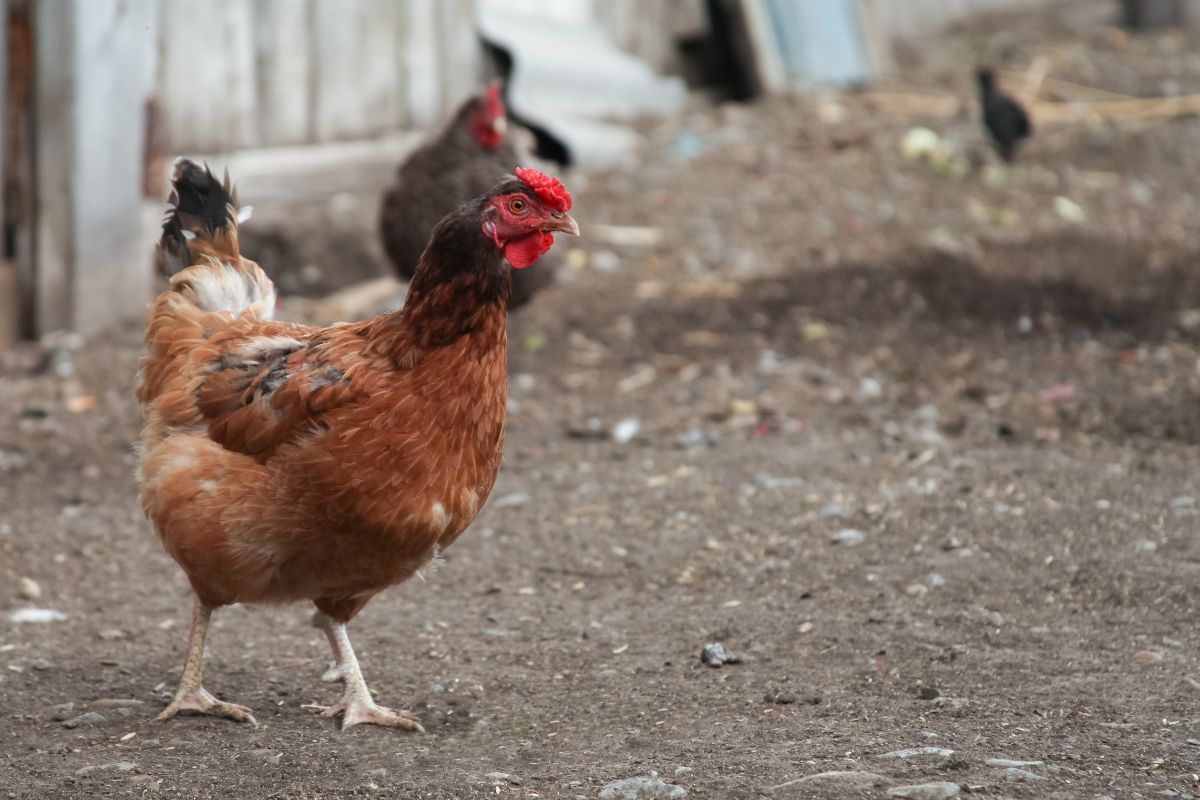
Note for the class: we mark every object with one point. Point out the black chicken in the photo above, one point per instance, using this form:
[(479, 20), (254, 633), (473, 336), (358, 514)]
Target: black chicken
[(463, 161), (1005, 119)]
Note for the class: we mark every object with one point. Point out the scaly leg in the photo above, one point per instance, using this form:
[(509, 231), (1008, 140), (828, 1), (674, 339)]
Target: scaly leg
[(191, 695), (334, 673), (357, 706)]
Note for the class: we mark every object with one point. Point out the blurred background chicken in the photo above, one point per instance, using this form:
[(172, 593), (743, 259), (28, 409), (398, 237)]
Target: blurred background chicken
[(463, 160), (282, 462), (1005, 119)]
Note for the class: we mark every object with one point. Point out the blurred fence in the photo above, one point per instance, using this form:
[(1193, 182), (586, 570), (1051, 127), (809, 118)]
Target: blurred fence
[(261, 73), (98, 92), (908, 18)]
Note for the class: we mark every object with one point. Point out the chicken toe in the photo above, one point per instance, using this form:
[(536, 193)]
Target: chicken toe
[(191, 694), (357, 707), (200, 701), (359, 713)]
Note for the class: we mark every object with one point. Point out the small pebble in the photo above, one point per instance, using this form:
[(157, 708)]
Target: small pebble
[(766, 480), (1008, 762), (831, 511), (625, 430), (715, 655), (928, 693), (513, 500), (36, 615), (848, 537), (605, 261), (29, 589), (1146, 546), (694, 438), (111, 634)]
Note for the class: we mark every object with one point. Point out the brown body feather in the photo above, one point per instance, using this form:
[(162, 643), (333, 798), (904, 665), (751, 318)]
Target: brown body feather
[(284, 462)]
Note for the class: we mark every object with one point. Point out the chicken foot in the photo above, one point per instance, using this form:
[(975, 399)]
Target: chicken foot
[(357, 706), (191, 695)]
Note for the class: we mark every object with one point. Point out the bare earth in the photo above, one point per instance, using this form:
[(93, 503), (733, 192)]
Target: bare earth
[(1003, 403)]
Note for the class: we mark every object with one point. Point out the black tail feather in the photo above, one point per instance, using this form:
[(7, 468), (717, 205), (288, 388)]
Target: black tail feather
[(201, 205)]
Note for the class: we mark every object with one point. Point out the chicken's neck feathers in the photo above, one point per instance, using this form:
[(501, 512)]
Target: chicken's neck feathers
[(461, 289)]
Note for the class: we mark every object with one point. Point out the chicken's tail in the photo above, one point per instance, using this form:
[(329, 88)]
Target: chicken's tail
[(199, 251)]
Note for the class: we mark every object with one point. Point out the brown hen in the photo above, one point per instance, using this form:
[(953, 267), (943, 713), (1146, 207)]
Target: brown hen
[(282, 462)]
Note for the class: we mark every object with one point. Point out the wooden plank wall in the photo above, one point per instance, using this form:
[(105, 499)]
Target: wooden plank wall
[(264, 73)]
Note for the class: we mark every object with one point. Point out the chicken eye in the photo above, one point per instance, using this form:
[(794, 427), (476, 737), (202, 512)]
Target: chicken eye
[(517, 205)]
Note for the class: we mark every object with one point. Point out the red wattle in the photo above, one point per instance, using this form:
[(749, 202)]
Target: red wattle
[(523, 252)]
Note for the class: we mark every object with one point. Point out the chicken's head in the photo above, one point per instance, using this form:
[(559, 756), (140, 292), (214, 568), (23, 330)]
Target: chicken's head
[(521, 216), (488, 121)]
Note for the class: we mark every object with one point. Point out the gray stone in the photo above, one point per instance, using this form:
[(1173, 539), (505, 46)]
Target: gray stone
[(1008, 762), (914, 752), (116, 766), (1017, 775), (715, 655), (937, 790), (88, 718), (842, 779), (642, 787)]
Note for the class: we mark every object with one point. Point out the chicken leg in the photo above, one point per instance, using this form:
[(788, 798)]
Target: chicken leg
[(191, 695), (357, 706)]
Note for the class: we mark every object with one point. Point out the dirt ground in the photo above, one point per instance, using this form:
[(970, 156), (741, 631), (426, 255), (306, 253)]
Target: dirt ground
[(919, 445)]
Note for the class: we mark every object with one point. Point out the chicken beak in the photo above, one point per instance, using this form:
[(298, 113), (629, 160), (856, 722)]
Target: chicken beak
[(561, 223), (500, 125)]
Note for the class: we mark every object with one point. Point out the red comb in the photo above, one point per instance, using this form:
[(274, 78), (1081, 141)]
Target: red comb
[(493, 103), (550, 190)]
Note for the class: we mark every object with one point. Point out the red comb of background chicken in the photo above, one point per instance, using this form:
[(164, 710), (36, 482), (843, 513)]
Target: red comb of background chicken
[(550, 190), (493, 103)]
